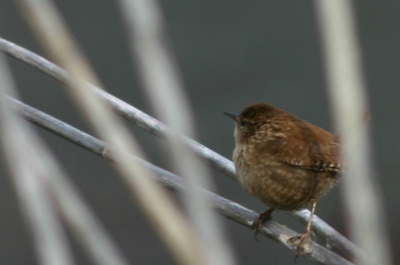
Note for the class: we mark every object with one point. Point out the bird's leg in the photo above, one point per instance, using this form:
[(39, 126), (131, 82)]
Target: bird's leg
[(306, 235), (261, 219)]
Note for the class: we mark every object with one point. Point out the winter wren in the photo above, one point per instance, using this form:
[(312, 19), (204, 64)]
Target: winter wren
[(284, 161)]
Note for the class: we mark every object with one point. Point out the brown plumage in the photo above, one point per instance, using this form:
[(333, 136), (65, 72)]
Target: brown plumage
[(284, 161)]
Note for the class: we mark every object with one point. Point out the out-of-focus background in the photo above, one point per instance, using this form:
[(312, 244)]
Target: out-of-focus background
[(231, 54)]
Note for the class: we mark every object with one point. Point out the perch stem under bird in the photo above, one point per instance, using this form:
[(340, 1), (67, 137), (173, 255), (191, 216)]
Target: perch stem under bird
[(287, 163)]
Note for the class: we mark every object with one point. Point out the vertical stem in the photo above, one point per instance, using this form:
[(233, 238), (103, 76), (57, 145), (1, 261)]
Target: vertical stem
[(348, 100)]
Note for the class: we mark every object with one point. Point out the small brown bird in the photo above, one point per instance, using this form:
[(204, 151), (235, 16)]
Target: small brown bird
[(284, 161)]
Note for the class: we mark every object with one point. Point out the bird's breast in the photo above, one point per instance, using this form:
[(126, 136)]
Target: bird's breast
[(277, 184)]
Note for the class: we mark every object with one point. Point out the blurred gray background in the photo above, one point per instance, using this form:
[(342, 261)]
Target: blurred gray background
[(231, 53)]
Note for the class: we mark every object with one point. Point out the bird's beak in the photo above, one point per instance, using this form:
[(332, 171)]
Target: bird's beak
[(230, 115)]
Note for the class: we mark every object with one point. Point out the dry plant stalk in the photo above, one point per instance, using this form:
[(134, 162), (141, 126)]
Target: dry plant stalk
[(166, 218), (163, 86), (348, 100), (27, 163), (43, 174)]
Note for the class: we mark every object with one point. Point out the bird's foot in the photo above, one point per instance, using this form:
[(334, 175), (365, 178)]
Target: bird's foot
[(301, 243), (260, 220)]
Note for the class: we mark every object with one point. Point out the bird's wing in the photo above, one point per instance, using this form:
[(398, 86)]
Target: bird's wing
[(312, 148)]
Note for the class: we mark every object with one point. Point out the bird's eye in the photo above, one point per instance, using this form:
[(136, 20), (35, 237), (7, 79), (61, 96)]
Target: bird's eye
[(244, 123)]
